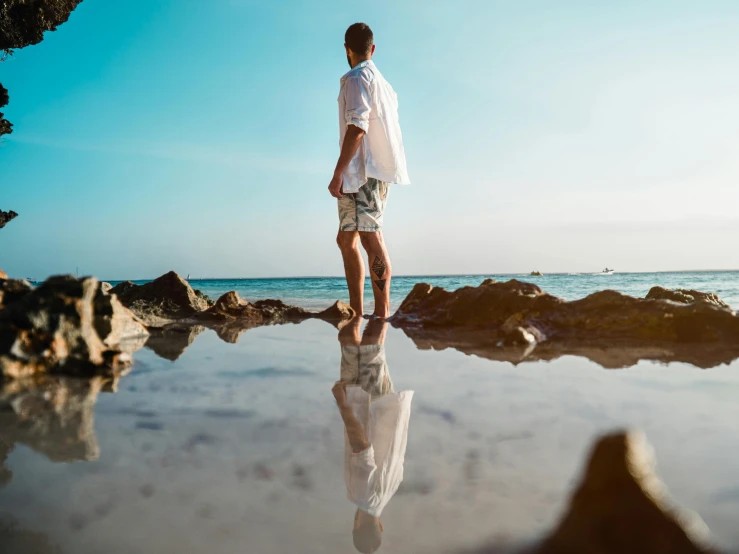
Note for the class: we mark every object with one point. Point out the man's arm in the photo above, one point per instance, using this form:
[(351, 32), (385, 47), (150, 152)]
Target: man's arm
[(348, 149), (357, 115), (354, 430)]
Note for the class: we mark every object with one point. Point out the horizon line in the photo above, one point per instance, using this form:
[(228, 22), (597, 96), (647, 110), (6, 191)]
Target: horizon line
[(434, 275)]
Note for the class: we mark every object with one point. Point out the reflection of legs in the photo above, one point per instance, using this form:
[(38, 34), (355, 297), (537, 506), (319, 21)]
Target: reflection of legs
[(349, 334), (375, 332), (380, 270), (353, 268)]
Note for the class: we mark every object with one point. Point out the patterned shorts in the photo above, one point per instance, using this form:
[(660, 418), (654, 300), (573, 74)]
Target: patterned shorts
[(363, 210), (366, 366)]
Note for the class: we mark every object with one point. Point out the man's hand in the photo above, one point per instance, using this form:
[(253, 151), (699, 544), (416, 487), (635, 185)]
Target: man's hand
[(339, 391), (334, 187)]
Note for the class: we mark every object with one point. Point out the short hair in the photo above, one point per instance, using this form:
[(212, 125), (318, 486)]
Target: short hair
[(368, 537), (359, 38)]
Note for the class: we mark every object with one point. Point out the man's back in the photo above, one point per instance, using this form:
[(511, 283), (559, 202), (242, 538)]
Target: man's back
[(368, 101)]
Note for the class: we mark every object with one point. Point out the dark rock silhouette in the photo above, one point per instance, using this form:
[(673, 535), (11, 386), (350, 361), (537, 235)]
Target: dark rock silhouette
[(23, 23), (6, 127), (66, 325), (12, 289), (621, 506), (5, 217), (516, 321)]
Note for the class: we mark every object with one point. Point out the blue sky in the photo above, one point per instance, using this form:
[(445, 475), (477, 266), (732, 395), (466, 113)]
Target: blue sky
[(201, 137)]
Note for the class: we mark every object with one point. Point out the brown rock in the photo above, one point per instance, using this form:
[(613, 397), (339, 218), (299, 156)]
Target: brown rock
[(686, 296), (339, 311), (13, 289), (3, 275), (165, 299), (620, 506), (495, 316), (65, 325), (230, 307)]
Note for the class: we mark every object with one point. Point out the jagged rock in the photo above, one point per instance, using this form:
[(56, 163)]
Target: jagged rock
[(686, 296), (172, 341), (621, 506), (208, 299), (339, 311), (53, 415), (497, 317), (3, 275), (6, 217), (166, 299), (230, 306), (65, 325), (22, 23), (12, 290)]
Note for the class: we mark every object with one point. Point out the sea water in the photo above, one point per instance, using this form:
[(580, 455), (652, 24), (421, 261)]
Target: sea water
[(319, 292)]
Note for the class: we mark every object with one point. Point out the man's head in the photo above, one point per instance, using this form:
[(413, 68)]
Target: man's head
[(359, 43), (367, 532)]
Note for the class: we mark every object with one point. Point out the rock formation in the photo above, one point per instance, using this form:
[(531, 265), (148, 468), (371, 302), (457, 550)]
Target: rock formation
[(175, 313), (6, 217), (621, 506), (23, 23), (66, 325), (686, 296), (165, 299), (518, 321)]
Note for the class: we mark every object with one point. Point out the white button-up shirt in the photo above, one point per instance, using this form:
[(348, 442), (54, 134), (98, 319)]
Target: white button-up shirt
[(373, 475), (367, 101)]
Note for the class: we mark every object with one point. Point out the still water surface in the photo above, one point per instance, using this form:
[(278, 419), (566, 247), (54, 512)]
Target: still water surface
[(240, 448)]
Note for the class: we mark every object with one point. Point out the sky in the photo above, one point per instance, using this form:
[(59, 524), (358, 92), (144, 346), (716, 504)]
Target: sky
[(201, 137)]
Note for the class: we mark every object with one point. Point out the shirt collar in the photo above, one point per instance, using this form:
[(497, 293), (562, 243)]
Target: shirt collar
[(357, 67)]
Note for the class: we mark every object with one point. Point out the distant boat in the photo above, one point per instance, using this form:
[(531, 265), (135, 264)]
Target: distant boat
[(607, 271), (537, 274)]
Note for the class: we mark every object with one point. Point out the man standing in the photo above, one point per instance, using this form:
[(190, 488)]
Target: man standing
[(371, 158)]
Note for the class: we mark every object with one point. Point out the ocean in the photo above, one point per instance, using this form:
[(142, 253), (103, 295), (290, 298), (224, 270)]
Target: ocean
[(320, 292)]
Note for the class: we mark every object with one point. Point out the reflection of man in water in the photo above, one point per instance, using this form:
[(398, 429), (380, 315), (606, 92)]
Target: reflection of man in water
[(376, 423)]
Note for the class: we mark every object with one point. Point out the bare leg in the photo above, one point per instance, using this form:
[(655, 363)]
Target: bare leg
[(380, 270), (348, 242)]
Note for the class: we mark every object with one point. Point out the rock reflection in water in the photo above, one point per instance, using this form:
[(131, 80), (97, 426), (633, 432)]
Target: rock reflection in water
[(171, 342), (53, 415), (376, 422), (608, 355)]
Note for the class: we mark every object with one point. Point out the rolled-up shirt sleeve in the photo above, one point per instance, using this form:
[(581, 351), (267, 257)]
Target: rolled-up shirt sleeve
[(361, 479), (358, 102)]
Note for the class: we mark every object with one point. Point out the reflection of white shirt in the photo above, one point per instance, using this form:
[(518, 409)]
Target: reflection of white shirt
[(367, 101), (373, 475)]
